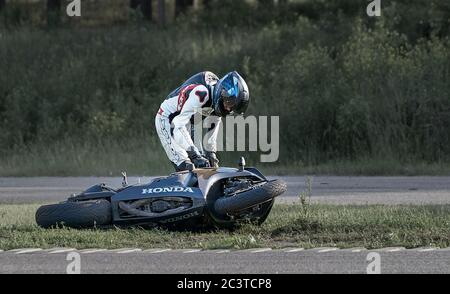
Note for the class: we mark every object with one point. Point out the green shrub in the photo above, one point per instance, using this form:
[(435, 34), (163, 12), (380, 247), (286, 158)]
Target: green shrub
[(371, 91)]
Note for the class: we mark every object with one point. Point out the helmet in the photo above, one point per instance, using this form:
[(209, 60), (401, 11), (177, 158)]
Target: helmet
[(230, 92)]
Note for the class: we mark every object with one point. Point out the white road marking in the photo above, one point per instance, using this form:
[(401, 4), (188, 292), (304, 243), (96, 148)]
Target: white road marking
[(15, 250), (30, 250), (295, 250), (192, 251), (129, 251), (395, 249), (355, 249), (62, 250), (261, 250), (388, 249), (222, 251), (156, 250), (89, 251), (255, 250), (327, 250), (427, 249)]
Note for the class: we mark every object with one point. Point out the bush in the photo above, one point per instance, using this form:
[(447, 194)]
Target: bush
[(372, 92)]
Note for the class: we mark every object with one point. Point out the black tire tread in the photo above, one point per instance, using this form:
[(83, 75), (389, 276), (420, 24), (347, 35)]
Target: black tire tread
[(83, 214), (244, 200)]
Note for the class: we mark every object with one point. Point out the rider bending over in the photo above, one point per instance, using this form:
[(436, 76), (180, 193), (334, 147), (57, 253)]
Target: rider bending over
[(213, 98)]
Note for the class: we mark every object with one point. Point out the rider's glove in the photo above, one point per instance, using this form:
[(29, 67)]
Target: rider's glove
[(212, 157), (197, 159)]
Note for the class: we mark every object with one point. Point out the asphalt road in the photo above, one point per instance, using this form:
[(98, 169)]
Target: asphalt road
[(235, 262), (325, 189)]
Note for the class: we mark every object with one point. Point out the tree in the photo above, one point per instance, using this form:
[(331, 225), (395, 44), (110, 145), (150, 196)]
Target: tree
[(181, 6), (134, 3), (53, 5), (53, 12), (266, 3), (145, 6), (161, 12), (2, 4)]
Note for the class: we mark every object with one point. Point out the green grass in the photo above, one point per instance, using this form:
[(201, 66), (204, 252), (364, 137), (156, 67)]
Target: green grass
[(145, 156), (287, 226), (108, 158)]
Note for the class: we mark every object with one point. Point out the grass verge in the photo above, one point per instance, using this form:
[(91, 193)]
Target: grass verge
[(146, 157), (288, 226)]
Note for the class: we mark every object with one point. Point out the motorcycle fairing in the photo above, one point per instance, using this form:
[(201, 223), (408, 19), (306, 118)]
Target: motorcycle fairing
[(175, 185), (206, 178)]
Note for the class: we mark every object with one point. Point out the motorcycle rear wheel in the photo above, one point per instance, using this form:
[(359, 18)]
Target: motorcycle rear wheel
[(83, 214)]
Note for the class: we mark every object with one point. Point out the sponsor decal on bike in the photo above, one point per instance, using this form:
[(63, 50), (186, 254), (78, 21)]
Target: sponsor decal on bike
[(167, 190), (179, 218)]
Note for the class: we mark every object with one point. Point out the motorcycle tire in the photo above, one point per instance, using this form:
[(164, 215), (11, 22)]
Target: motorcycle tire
[(247, 199), (83, 214)]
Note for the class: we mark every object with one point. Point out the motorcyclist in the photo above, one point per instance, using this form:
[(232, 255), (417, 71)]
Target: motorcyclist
[(214, 98)]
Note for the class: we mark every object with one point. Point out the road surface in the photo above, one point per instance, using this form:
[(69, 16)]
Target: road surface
[(254, 261), (325, 189)]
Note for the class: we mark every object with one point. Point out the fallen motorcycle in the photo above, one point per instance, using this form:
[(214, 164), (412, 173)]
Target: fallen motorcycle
[(219, 197)]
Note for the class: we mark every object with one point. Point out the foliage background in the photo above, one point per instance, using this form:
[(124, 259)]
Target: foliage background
[(355, 95)]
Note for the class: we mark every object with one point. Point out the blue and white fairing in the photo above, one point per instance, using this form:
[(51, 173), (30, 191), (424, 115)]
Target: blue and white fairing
[(175, 185), (194, 186)]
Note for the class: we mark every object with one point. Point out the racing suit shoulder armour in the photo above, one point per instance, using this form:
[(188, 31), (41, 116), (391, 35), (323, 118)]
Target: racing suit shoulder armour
[(205, 78)]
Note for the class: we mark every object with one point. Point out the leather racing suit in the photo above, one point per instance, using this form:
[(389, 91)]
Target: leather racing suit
[(174, 118)]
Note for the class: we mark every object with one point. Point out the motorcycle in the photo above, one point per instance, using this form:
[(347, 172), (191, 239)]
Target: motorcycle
[(205, 197)]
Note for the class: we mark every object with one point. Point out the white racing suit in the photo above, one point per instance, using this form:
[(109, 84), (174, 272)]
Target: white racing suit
[(173, 121)]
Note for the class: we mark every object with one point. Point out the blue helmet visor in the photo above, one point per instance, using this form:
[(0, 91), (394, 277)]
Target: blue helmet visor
[(231, 95)]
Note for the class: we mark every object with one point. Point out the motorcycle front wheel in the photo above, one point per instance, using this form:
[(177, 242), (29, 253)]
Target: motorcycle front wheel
[(249, 198)]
